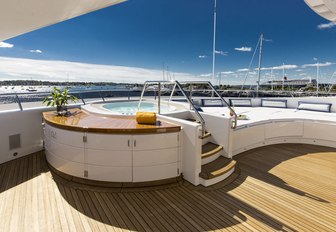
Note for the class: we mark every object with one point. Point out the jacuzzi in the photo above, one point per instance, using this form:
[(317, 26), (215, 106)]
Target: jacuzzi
[(129, 108)]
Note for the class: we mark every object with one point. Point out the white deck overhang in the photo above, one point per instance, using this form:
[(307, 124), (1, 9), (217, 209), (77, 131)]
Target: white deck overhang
[(325, 8), (18, 17)]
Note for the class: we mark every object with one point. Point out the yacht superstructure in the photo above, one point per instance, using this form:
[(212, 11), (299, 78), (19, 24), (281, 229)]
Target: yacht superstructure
[(212, 163)]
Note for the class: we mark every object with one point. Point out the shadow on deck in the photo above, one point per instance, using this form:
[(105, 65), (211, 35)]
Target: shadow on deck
[(259, 197)]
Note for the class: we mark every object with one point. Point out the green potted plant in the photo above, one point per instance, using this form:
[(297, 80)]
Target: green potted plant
[(60, 99)]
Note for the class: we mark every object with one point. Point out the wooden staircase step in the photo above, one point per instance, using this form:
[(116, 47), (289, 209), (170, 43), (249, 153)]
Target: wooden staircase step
[(192, 120), (217, 168), (207, 135), (210, 149)]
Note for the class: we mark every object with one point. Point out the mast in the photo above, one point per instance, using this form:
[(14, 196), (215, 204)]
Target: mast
[(283, 76), (259, 64), (317, 77), (272, 79), (214, 44), (163, 71)]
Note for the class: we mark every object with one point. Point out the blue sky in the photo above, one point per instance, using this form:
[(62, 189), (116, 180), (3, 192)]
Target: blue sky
[(149, 33)]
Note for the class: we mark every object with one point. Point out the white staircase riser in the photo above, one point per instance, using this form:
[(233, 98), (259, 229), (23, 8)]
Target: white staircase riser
[(216, 180), (206, 140), (211, 158)]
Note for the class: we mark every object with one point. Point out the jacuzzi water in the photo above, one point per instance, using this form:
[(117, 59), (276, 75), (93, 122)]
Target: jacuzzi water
[(130, 108)]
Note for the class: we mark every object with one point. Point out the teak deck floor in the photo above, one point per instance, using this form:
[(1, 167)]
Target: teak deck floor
[(281, 187)]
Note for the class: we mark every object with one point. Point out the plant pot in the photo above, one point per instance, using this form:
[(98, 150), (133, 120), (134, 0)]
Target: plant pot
[(62, 111), (59, 109)]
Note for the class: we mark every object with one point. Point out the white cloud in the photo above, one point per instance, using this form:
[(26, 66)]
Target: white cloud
[(243, 70), (222, 53), (227, 72), (202, 56), (25, 69), (268, 40), (35, 51), (6, 45), (206, 75), (319, 64), (326, 25), (286, 66), (244, 49), (299, 70)]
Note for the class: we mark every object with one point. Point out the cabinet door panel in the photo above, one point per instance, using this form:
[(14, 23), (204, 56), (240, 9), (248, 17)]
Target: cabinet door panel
[(318, 130), (109, 158), (113, 174), (283, 129), (155, 141), (109, 142), (67, 137), (151, 173), (66, 152), (155, 157), (247, 136), (66, 166)]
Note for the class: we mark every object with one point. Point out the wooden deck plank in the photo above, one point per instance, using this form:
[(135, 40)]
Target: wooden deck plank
[(173, 218), (264, 222), (109, 209), (304, 180), (80, 219), (160, 215), (222, 212), (304, 196), (143, 209), (202, 212), (281, 187)]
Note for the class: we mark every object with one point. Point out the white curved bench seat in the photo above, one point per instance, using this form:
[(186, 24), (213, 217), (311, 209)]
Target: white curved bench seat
[(268, 126), (272, 126)]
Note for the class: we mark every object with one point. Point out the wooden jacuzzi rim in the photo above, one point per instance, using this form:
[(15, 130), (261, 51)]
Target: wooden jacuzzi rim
[(82, 121)]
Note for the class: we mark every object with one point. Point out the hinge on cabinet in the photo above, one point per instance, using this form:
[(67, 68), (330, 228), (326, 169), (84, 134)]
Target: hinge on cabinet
[(84, 139), (86, 173), (178, 137), (178, 171)]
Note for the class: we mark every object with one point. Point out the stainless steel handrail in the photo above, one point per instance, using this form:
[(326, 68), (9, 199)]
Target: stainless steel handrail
[(235, 117), (199, 116), (176, 84)]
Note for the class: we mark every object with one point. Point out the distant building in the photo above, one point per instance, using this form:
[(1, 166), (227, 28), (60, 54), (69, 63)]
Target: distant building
[(290, 82)]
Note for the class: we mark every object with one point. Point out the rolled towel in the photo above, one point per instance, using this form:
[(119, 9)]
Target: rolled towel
[(146, 118)]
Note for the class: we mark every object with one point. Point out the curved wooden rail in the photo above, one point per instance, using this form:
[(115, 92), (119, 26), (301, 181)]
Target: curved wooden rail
[(86, 122)]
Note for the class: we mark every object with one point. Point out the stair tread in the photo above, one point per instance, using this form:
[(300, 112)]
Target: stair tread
[(206, 135), (210, 149), (217, 168), (191, 120)]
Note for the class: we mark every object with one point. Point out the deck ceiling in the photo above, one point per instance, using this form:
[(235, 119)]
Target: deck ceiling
[(325, 8), (21, 16)]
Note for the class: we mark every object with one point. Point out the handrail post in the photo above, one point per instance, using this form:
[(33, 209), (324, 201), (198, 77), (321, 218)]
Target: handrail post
[(142, 94), (172, 93), (102, 96), (80, 96), (190, 92), (227, 104), (159, 98), (19, 102), (193, 106)]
